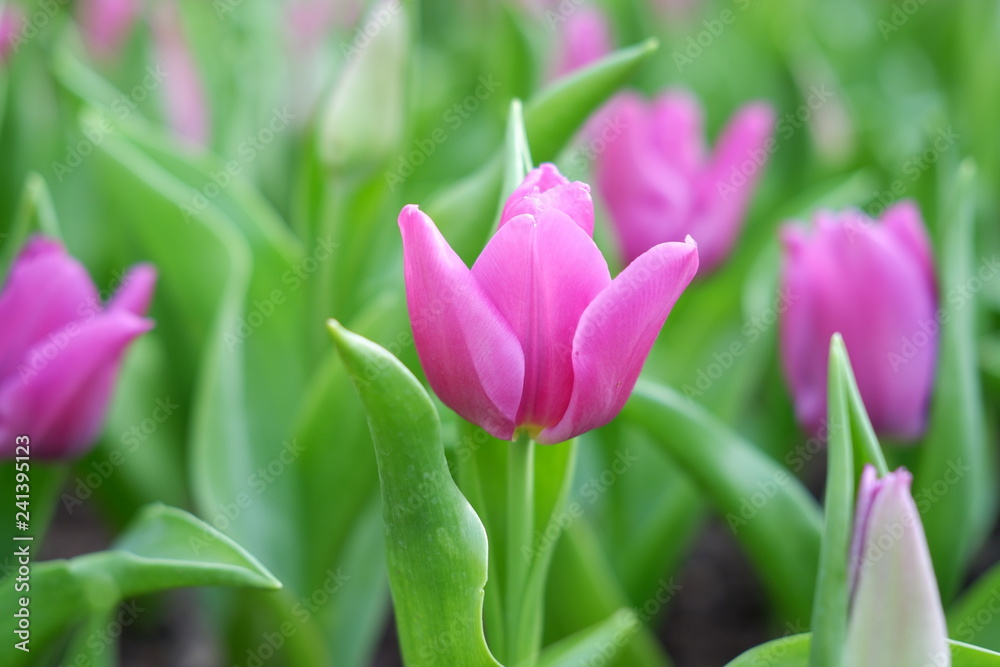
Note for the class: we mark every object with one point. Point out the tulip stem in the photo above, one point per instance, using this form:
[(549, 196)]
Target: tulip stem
[(520, 525)]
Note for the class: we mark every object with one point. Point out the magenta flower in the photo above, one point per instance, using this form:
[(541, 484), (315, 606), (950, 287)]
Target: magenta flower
[(107, 23), (11, 21), (584, 37), (896, 617), (658, 183), (60, 348), (186, 110), (537, 336), (873, 283)]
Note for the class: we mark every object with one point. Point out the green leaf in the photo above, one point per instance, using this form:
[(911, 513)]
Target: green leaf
[(464, 210), (169, 548), (517, 152), (163, 548), (793, 651), (975, 616), (790, 651), (956, 454), (829, 617), (584, 591), (34, 214), (436, 546), (769, 510), (590, 644)]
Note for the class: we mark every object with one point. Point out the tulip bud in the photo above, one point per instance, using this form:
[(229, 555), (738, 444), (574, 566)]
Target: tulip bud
[(873, 283), (658, 183), (363, 120), (106, 24), (584, 38), (896, 617), (60, 349), (537, 336)]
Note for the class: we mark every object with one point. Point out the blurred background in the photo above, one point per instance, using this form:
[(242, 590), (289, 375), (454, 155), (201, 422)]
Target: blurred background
[(258, 154)]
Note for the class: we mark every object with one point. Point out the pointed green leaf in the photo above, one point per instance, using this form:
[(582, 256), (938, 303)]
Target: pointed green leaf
[(793, 651), (829, 616), (436, 547), (590, 645)]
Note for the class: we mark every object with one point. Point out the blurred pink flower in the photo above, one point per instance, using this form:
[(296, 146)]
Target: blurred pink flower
[(584, 37), (896, 617), (107, 23), (186, 110), (874, 283), (537, 336), (60, 348), (658, 183), (11, 20)]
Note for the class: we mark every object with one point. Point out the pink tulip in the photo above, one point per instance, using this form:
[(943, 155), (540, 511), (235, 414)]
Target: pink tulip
[(186, 110), (537, 336), (107, 23), (896, 617), (584, 37), (60, 348), (11, 20), (874, 283), (658, 183)]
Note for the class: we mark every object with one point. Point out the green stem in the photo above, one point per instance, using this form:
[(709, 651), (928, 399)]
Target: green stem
[(520, 525)]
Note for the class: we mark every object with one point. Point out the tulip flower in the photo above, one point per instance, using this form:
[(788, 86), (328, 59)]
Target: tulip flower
[(658, 183), (11, 20), (896, 617), (60, 348), (106, 24), (537, 337), (874, 283), (584, 37), (186, 110)]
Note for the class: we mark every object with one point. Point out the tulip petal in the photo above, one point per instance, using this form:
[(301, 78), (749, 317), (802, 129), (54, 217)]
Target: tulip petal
[(616, 333), (471, 356), (542, 272), (46, 290), (676, 131), (896, 617), (60, 392), (859, 280), (543, 188), (903, 220), (730, 181), (136, 290), (647, 195)]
